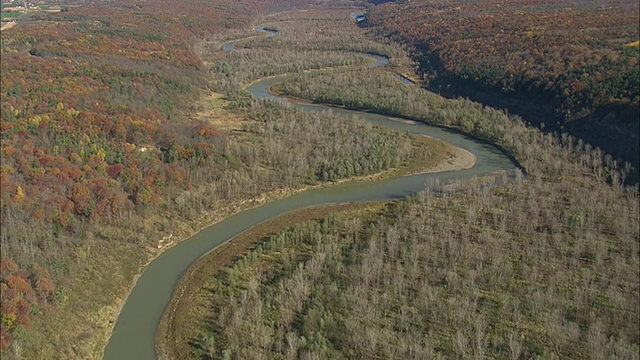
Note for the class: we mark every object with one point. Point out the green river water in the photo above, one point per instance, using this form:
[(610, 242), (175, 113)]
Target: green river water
[(135, 330)]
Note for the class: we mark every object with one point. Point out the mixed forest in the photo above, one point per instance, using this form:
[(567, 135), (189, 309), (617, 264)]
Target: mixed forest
[(125, 127), (541, 265), (570, 65), (111, 145), (84, 92)]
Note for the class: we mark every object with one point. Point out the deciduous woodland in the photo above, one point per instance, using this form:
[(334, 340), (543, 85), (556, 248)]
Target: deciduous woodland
[(565, 64), (114, 145), (126, 128), (546, 266), (517, 274)]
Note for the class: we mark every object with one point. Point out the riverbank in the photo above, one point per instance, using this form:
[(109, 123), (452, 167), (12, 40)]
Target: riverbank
[(443, 158), (8, 25), (182, 316)]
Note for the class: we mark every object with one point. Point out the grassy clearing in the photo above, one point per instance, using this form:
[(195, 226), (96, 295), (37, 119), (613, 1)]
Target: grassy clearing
[(9, 15)]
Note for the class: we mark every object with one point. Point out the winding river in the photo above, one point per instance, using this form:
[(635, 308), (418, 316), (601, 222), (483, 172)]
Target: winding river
[(134, 333)]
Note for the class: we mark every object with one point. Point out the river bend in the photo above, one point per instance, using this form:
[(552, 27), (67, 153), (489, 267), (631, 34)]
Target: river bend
[(135, 330)]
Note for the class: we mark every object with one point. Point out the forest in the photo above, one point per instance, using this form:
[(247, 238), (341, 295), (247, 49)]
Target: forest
[(569, 65), (435, 277), (109, 147), (545, 265), (82, 92), (126, 129)]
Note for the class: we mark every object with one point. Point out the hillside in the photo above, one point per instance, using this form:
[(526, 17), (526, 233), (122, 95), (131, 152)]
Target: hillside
[(570, 65), (114, 146), (541, 264), (126, 129)]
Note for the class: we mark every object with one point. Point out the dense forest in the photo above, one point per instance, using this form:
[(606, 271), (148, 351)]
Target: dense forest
[(571, 65), (543, 265), (111, 146), (436, 277), (84, 93), (126, 128), (385, 93)]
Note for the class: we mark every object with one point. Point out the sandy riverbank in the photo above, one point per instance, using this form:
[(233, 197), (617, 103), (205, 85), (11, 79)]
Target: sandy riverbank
[(455, 159), (177, 320), (8, 25)]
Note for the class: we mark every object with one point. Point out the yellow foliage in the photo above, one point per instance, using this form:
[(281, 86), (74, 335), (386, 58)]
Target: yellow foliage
[(71, 113), (101, 154), (36, 120), (10, 321), (632, 44), (19, 194)]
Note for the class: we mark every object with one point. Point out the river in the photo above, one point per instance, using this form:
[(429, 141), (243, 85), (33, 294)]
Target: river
[(135, 330)]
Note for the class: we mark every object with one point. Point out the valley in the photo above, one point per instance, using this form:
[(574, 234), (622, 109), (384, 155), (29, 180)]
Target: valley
[(362, 216)]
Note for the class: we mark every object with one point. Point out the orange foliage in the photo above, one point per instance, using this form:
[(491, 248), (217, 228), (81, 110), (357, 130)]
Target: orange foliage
[(89, 99), (545, 49)]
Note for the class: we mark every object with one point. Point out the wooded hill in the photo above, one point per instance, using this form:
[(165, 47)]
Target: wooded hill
[(571, 65), (104, 155), (537, 266), (84, 93)]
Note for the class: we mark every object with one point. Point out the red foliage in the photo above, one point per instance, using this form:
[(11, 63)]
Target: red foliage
[(5, 337), (546, 49), (18, 296), (88, 98)]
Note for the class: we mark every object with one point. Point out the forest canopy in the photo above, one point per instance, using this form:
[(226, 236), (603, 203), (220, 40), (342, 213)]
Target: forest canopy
[(582, 54), (568, 63)]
